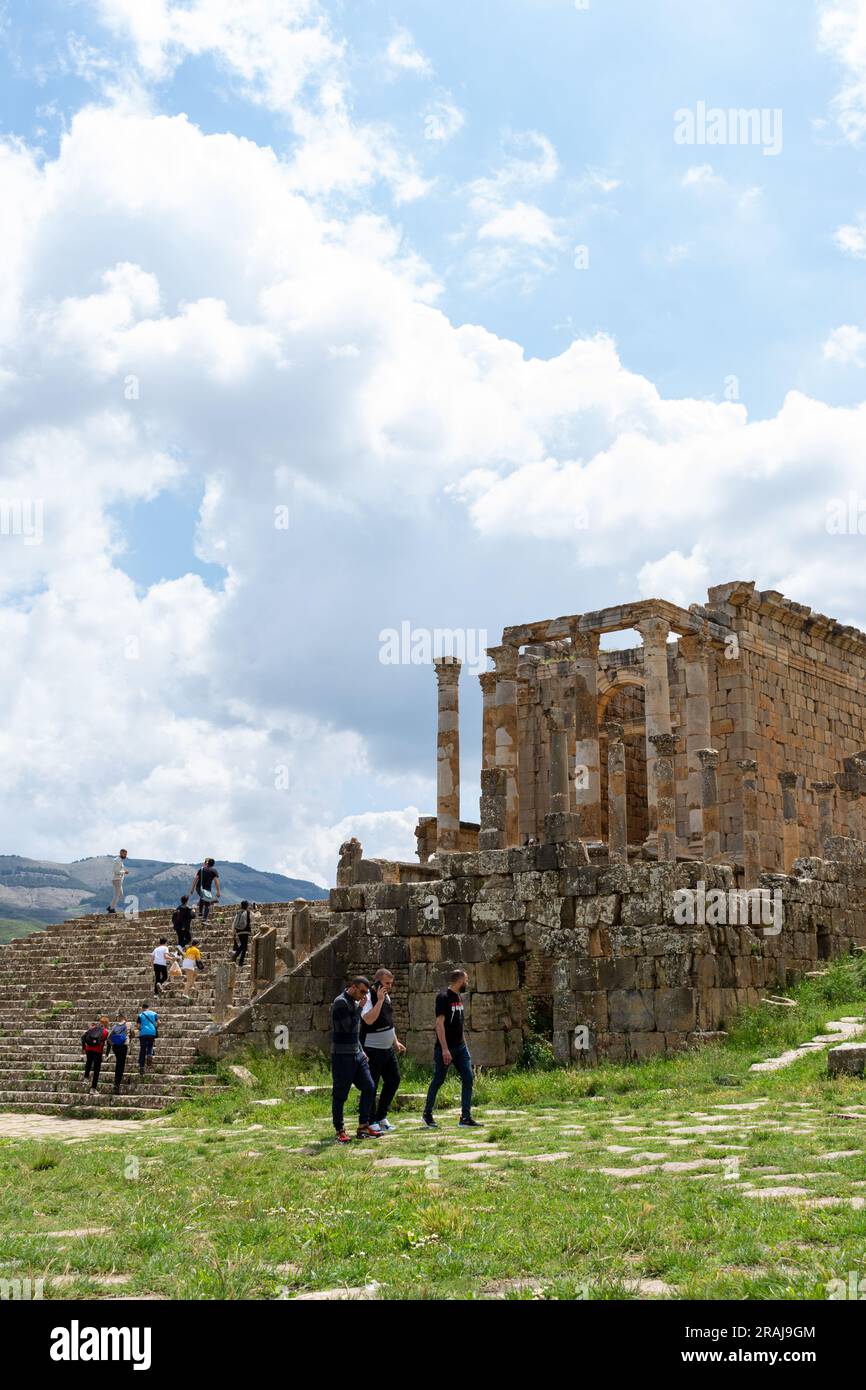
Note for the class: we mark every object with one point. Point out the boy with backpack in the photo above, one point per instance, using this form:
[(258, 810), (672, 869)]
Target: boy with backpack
[(148, 1032), (93, 1046), (118, 1041), (181, 920)]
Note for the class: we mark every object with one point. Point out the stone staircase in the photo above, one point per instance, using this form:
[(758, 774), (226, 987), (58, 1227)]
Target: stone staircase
[(56, 982)]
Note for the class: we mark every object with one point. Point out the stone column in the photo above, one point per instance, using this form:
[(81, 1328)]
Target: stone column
[(448, 754), (824, 793), (224, 990), (263, 967), (587, 779), (487, 681), (493, 808), (709, 760), (851, 799), (561, 825), (695, 650), (790, 828), (751, 834), (654, 632), (665, 746), (617, 823), (505, 733)]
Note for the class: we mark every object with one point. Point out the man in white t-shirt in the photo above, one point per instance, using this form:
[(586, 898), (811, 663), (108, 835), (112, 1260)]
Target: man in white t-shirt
[(160, 957), (118, 874), (381, 1044)]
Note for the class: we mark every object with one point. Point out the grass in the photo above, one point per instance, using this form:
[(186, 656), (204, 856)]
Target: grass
[(225, 1198)]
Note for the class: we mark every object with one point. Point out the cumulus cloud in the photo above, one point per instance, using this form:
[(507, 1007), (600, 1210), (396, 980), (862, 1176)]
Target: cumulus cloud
[(842, 33), (403, 55)]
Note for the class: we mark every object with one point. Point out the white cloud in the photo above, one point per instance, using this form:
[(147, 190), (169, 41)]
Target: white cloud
[(675, 576), (846, 345), (851, 239), (442, 121), (403, 55), (527, 238), (842, 33), (702, 176)]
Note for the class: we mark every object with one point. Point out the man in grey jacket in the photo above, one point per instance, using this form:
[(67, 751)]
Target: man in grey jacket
[(349, 1066)]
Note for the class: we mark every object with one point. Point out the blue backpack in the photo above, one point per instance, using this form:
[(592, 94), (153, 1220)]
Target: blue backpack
[(117, 1037), (147, 1024)]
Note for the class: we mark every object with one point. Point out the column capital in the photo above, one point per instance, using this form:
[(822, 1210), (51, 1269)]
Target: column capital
[(504, 659), (747, 765), (788, 779), (487, 681), (614, 730), (665, 744), (709, 757), (850, 794), (554, 717), (584, 644), (823, 788), (654, 631), (447, 669)]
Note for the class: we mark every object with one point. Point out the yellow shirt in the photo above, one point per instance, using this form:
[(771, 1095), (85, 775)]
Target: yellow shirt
[(190, 956)]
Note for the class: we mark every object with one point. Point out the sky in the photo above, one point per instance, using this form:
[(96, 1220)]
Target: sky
[(321, 322)]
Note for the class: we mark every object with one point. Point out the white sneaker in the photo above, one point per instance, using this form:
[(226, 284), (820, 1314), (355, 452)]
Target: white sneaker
[(384, 1125)]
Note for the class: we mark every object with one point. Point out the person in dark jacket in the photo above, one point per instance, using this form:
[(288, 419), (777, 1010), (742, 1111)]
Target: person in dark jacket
[(349, 1066), (381, 1044), (242, 928), (181, 920)]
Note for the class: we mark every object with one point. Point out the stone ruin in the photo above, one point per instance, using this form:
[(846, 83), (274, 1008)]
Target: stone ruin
[(722, 764)]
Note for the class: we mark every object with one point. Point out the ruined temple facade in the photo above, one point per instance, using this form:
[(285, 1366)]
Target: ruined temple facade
[(746, 677), (722, 756)]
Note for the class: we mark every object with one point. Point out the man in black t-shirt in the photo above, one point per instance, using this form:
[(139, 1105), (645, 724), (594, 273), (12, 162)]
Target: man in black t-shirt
[(207, 884), (451, 1047)]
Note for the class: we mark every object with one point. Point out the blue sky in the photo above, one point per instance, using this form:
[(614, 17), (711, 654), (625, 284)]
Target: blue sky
[(338, 250)]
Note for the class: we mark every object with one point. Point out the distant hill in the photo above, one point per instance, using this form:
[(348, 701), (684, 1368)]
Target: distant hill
[(39, 891)]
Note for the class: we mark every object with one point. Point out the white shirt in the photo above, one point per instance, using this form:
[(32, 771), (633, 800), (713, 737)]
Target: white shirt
[(160, 955), (386, 1038), (119, 869)]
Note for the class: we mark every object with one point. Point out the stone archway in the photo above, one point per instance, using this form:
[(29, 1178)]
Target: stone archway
[(621, 700)]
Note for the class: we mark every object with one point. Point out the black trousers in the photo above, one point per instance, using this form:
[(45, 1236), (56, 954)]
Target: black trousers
[(92, 1067), (346, 1072), (384, 1067), (240, 951), (160, 975), (120, 1050)]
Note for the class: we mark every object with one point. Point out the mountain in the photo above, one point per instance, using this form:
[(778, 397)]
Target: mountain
[(39, 891)]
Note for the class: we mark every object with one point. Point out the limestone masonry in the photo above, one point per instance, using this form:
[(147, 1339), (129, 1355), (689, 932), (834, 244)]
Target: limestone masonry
[(666, 832)]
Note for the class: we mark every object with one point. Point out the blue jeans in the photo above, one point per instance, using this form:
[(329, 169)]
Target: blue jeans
[(346, 1072), (463, 1062)]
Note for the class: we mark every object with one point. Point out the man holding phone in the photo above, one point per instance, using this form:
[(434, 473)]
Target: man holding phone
[(381, 1044), (349, 1065), (450, 1046)]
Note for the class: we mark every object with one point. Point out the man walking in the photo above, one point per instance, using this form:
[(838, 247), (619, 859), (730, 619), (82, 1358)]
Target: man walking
[(118, 874), (148, 1032), (159, 956), (450, 1046), (93, 1047), (207, 884), (181, 920), (242, 928), (349, 1065), (381, 1044), (118, 1041)]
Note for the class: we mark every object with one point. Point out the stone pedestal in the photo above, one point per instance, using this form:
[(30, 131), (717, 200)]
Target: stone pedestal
[(493, 808), (617, 818), (665, 746), (587, 779), (224, 990), (751, 832), (263, 962), (709, 760), (654, 632), (790, 826), (448, 754), (505, 744)]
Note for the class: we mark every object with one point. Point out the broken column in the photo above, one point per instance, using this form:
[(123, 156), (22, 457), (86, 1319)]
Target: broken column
[(504, 659), (587, 781), (561, 825), (695, 651), (448, 754), (617, 822), (790, 827), (493, 808), (751, 833), (487, 681), (654, 633), (709, 760), (824, 792), (665, 746)]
